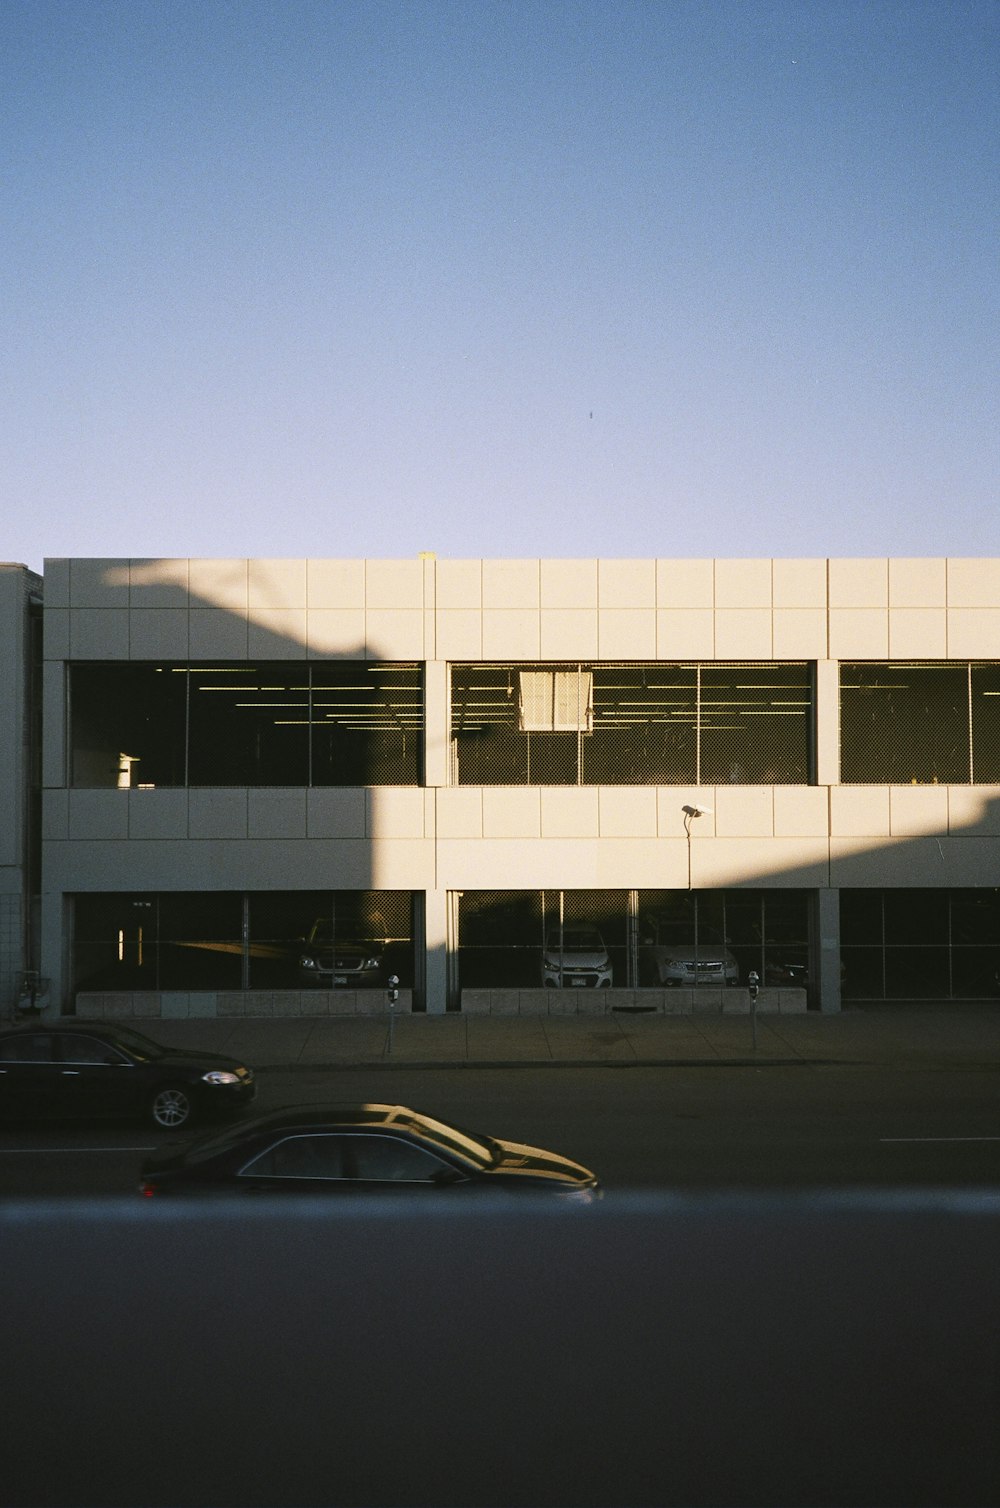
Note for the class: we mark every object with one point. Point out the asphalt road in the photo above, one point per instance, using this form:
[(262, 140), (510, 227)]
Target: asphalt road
[(747, 1128)]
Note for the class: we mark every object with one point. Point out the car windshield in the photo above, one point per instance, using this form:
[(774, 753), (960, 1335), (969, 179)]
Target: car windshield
[(482, 1150), (681, 935)]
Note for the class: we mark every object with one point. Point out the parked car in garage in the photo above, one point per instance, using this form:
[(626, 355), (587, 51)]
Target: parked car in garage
[(83, 1069), (360, 1149), (672, 954), (332, 962), (577, 957)]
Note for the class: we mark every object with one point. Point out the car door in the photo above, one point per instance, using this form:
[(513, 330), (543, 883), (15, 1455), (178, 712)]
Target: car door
[(95, 1078), (28, 1076), (299, 1163)]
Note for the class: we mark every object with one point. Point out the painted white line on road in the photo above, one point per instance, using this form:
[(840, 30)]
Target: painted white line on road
[(64, 1151), (939, 1138)]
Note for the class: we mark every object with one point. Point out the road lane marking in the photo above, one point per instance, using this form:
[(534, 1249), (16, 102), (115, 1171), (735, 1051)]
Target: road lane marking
[(63, 1151), (938, 1138)]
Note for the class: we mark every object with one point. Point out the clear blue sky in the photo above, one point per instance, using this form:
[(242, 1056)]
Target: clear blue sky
[(499, 277)]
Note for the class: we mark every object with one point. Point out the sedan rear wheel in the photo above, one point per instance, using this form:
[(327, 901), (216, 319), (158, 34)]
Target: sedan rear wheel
[(171, 1107)]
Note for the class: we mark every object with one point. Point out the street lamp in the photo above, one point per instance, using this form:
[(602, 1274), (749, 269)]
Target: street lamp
[(689, 813)]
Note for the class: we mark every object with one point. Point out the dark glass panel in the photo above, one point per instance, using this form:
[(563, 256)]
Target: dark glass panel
[(367, 724), (904, 724), (755, 724), (917, 974), (986, 724), (127, 725), (916, 917), (861, 916)]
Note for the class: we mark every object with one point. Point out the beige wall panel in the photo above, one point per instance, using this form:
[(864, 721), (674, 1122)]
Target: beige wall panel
[(511, 583), (570, 813), (918, 633), (98, 814), (512, 864), (917, 583), (437, 759), (743, 633), (801, 811), (568, 584), (511, 634), (974, 810), (395, 812), (827, 722), (859, 583), (799, 583), (670, 815), (217, 633), (394, 634), (158, 814), (626, 583), (337, 812), (55, 633), (910, 862), (568, 634), (55, 815), (974, 633), (459, 812), (337, 585), (859, 633), (219, 583), (157, 583), (459, 584), (973, 583), (782, 863), (627, 811), (274, 813), (217, 812), (402, 864), (98, 634), (626, 635), (799, 633), (744, 811), (742, 583), (859, 811), (459, 634), (394, 584), (336, 633), (639, 864), (98, 583), (512, 812), (158, 633), (56, 577), (685, 634), (274, 585), (685, 584), (915, 810), (277, 634)]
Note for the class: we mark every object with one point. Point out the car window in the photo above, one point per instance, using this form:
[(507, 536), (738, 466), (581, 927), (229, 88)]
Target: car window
[(74, 1049), (319, 1156), (390, 1159), (31, 1048)]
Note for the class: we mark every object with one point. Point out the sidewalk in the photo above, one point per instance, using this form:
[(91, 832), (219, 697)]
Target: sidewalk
[(945, 1036)]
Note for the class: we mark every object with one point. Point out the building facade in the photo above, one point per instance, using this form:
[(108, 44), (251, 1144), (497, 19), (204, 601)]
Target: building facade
[(527, 786), (20, 748)]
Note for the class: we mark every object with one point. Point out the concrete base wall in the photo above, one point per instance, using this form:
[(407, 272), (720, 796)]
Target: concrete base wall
[(700, 1002)]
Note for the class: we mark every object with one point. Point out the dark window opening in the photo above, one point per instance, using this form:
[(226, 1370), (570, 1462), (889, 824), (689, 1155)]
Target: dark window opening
[(920, 724), (920, 944)]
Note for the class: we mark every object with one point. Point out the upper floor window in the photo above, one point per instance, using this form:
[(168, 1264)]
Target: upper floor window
[(280, 723), (933, 723), (631, 724)]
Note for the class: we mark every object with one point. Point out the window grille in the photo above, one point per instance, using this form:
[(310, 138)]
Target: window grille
[(634, 724)]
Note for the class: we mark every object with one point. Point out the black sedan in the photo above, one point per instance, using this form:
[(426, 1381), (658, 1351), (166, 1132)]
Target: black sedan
[(71, 1069), (359, 1149)]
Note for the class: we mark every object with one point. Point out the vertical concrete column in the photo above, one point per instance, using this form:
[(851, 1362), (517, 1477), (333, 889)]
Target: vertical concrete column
[(828, 722), (436, 939), (54, 929), (828, 940), (436, 718)]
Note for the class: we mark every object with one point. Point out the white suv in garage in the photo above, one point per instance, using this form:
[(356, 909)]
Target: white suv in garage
[(669, 955), (575, 956)]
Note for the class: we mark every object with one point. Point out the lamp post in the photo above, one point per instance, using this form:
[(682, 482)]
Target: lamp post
[(689, 813)]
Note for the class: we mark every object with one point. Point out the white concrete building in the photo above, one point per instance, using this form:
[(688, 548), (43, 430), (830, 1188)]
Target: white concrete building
[(519, 785)]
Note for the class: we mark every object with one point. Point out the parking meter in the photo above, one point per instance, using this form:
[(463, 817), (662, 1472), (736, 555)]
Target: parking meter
[(753, 985), (392, 995)]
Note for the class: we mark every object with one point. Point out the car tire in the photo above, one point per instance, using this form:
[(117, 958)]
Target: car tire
[(171, 1108)]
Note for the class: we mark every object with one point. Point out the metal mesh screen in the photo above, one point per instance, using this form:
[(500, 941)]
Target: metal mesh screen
[(920, 724), (229, 940), (527, 939), (920, 944), (631, 724)]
